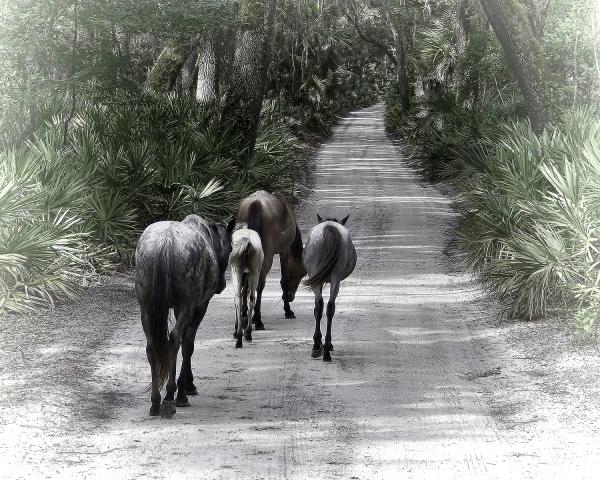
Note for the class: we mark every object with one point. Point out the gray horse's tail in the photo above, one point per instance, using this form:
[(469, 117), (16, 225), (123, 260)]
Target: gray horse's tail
[(328, 258), (158, 315)]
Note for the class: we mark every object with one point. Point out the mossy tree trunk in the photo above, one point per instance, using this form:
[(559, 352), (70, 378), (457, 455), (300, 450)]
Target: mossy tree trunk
[(163, 75), (523, 51), (245, 93), (189, 72)]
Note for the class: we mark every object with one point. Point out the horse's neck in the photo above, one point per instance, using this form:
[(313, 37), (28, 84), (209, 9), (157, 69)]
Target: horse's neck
[(294, 259)]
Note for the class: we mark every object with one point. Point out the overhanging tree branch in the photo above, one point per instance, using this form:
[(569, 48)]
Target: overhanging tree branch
[(382, 46)]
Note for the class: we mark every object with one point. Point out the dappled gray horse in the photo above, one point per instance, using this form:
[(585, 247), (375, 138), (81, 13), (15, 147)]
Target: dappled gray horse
[(329, 257), (178, 265)]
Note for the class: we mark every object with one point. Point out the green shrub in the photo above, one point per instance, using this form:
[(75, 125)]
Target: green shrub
[(530, 218), (73, 203)]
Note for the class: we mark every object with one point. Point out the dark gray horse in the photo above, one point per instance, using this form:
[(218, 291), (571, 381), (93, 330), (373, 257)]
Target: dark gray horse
[(329, 257), (178, 265)]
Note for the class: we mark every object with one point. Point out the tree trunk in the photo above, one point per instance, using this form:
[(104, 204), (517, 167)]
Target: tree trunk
[(461, 27), (207, 84), (243, 102), (401, 61), (402, 73), (523, 52), (189, 72), (166, 69)]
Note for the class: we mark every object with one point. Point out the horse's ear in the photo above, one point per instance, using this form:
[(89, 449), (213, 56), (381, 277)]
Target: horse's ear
[(319, 218), (231, 226), (344, 220)]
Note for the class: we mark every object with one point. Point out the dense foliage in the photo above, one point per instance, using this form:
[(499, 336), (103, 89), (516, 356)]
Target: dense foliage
[(528, 201), (115, 114), (89, 155)]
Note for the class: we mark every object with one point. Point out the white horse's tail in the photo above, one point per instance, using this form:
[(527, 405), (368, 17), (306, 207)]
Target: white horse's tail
[(238, 259)]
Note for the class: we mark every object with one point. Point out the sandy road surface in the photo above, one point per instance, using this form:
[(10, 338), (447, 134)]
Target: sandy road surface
[(422, 385)]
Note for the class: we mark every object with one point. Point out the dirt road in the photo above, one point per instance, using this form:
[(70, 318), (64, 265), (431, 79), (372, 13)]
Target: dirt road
[(424, 383)]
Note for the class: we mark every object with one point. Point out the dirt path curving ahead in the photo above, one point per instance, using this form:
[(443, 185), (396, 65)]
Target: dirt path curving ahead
[(422, 385)]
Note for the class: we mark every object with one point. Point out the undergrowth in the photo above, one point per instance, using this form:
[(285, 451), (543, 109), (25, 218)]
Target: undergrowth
[(77, 187), (529, 205)]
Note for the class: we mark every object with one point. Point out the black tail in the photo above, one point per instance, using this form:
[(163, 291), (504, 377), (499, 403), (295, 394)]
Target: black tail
[(255, 220), (328, 257), (158, 316)]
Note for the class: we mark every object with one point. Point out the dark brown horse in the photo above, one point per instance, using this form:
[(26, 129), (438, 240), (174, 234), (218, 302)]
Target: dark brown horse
[(273, 220)]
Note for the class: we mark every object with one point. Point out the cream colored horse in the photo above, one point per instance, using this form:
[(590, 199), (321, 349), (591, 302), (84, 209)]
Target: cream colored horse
[(245, 261)]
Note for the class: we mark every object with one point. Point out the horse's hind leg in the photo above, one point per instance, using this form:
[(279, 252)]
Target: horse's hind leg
[(245, 312), (240, 324), (251, 295), (150, 354), (333, 292), (167, 407), (284, 259), (155, 395), (257, 318), (318, 311), (237, 334), (185, 382)]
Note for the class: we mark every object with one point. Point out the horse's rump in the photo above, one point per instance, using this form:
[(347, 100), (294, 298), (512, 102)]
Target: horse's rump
[(246, 251), (327, 258), (270, 217)]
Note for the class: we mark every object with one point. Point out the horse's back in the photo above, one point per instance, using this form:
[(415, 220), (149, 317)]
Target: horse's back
[(184, 256)]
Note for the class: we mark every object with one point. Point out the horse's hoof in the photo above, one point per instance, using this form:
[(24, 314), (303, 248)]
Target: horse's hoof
[(290, 314), (182, 402), (259, 325), (191, 390), (248, 337), (326, 357), (154, 410), (167, 409), (239, 343), (316, 353)]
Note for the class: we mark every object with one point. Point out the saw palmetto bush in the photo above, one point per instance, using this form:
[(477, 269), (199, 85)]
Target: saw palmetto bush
[(530, 216), (43, 251), (74, 202)]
